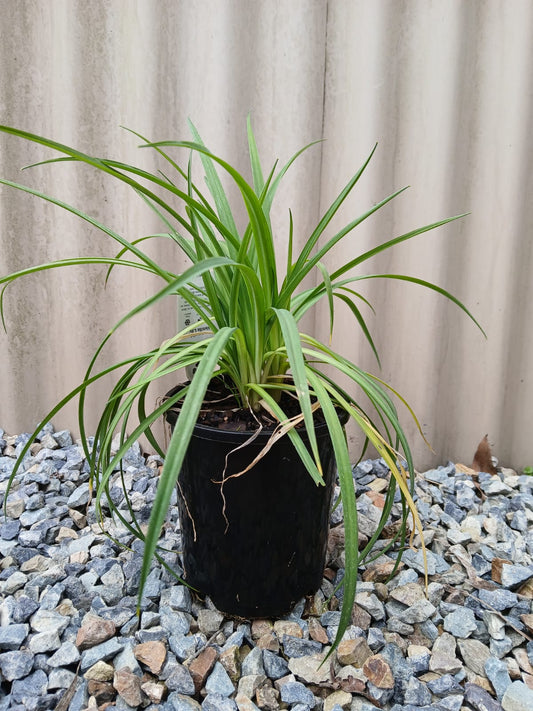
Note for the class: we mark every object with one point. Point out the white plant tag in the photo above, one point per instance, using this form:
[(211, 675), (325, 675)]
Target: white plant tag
[(187, 316)]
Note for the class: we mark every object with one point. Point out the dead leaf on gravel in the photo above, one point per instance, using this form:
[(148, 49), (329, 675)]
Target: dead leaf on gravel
[(483, 458)]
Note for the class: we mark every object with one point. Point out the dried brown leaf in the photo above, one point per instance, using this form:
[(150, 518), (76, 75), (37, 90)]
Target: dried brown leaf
[(483, 458)]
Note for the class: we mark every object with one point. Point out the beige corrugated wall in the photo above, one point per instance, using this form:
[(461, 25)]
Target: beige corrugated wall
[(444, 87)]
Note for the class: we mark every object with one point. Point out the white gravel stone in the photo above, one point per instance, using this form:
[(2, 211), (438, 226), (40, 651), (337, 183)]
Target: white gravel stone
[(518, 697), (42, 642)]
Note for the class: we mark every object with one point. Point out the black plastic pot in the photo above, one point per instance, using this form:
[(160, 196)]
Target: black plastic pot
[(257, 544)]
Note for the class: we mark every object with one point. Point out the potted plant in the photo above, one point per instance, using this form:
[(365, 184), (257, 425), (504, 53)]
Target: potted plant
[(258, 431)]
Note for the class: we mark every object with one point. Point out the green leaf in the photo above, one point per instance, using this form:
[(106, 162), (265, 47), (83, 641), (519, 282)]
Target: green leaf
[(131, 247), (296, 360), (255, 162), (214, 184), (428, 285), (178, 445), (262, 236), (329, 293), (361, 321), (344, 470)]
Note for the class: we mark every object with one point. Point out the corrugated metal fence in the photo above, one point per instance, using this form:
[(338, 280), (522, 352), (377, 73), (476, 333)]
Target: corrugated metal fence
[(444, 87)]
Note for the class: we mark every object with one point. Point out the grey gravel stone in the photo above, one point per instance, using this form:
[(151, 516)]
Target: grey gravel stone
[(179, 702), (474, 654), (382, 696), (371, 604), (443, 659), (47, 641), (48, 621), (66, 654), (393, 655), (275, 666), (209, 621), (444, 686), (519, 522), (33, 686), (180, 680), (498, 599), (126, 658), (22, 609), (500, 647), (419, 660), (153, 634), (60, 679), (248, 685), (453, 702), (100, 652), (456, 536), (294, 692), (16, 664), (375, 638), (237, 638), (219, 681), (14, 582), (174, 622), (183, 646), (416, 693), (515, 575), (420, 611), (51, 598), (12, 636), (83, 543), (33, 515), (529, 650), (495, 486), (79, 497), (415, 560), (498, 675), (295, 647), (9, 530), (63, 438), (495, 624), (330, 618), (253, 663), (460, 623), (178, 597), (517, 697), (218, 702), (395, 624)]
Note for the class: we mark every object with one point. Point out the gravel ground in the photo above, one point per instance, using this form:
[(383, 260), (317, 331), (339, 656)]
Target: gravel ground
[(70, 639)]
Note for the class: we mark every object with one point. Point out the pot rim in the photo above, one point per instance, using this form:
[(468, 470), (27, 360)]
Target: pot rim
[(206, 432)]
